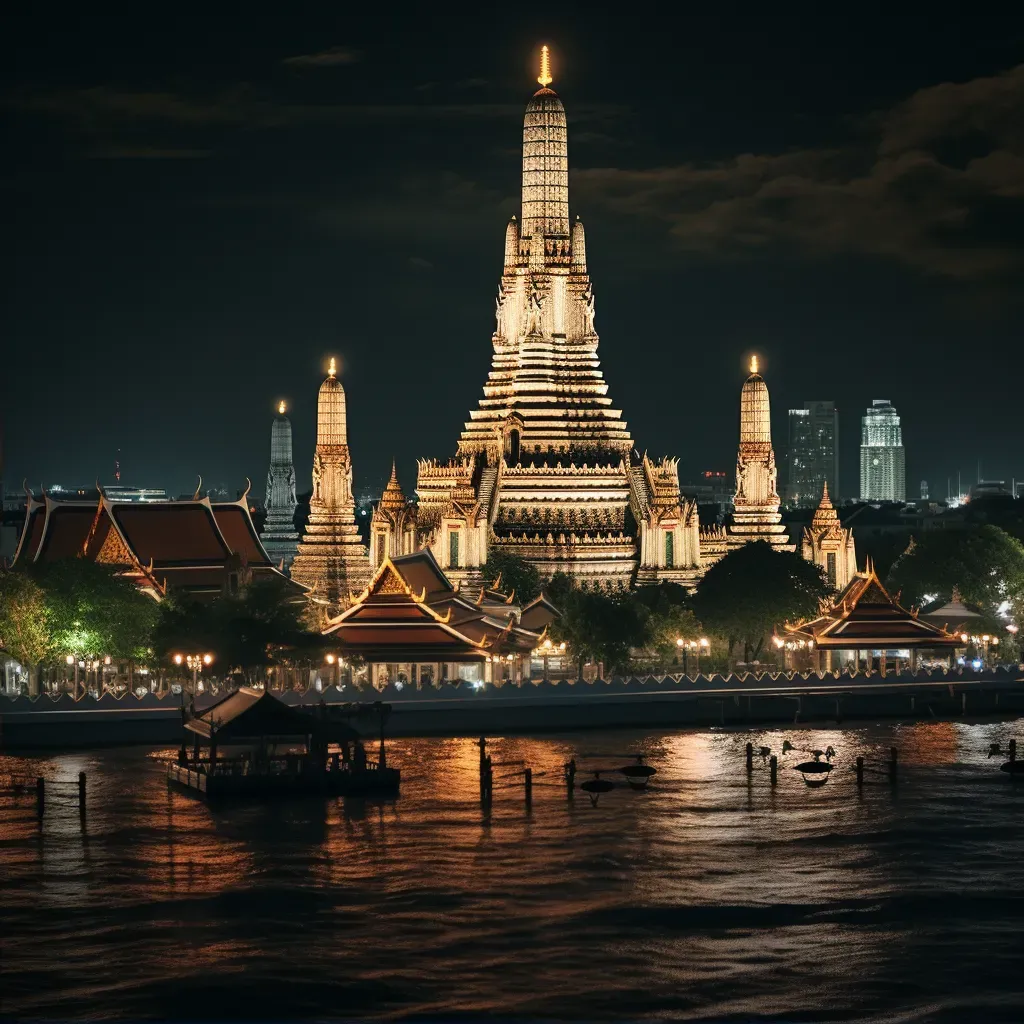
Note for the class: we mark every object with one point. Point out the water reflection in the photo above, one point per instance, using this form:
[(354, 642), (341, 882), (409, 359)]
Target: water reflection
[(710, 894)]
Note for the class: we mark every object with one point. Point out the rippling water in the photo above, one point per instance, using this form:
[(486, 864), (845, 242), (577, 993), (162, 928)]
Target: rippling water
[(703, 898)]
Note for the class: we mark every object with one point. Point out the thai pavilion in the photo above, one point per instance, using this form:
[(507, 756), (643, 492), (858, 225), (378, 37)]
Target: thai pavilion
[(199, 548), (413, 625), (865, 626)]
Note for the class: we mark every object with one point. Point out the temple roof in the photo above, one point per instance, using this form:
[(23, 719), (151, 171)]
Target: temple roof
[(411, 612), (393, 499), (189, 545), (953, 613), (865, 615)]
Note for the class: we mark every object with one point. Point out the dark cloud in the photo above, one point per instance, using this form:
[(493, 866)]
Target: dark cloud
[(146, 153), (926, 183), (336, 56)]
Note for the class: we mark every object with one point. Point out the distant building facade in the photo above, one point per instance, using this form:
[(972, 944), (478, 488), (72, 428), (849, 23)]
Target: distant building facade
[(813, 454), (883, 475)]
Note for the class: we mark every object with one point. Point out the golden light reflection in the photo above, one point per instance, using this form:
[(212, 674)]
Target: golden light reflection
[(544, 77)]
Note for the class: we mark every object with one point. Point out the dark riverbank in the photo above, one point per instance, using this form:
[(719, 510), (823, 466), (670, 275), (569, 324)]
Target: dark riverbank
[(466, 711)]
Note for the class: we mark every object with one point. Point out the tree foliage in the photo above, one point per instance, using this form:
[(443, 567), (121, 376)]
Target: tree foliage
[(241, 632), (600, 627), (984, 562), (24, 630), (91, 611), (517, 574), (752, 589)]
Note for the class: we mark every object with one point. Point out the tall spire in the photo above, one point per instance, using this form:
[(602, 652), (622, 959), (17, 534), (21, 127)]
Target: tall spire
[(545, 164), (331, 415), (279, 534), (544, 77)]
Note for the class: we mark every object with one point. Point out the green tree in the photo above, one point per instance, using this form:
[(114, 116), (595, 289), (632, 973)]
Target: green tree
[(92, 611), (517, 574), (599, 627), (984, 562), (24, 631), (241, 632), (559, 588), (752, 589)]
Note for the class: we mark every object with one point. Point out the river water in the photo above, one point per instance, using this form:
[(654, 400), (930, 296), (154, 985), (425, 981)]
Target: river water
[(706, 897)]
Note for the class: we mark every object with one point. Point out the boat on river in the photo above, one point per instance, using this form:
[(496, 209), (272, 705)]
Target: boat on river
[(250, 745)]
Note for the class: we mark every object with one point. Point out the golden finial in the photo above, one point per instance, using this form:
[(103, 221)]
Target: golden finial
[(753, 364), (332, 369), (544, 77), (281, 408)]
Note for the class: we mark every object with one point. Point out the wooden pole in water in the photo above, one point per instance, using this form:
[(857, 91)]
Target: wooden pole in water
[(570, 775), (750, 758), (528, 785), (489, 776), (773, 767), (81, 792), (860, 772), (40, 795), (893, 763)]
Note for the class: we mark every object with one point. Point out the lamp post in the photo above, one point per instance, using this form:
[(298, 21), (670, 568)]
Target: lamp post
[(695, 647), (196, 663)]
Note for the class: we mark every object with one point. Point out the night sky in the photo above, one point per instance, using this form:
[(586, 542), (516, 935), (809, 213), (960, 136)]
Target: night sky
[(197, 213)]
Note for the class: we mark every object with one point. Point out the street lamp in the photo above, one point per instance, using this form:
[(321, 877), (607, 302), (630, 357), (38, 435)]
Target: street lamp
[(196, 663)]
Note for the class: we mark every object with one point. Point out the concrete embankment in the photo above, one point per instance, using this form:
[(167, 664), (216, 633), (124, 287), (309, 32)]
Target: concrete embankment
[(664, 702)]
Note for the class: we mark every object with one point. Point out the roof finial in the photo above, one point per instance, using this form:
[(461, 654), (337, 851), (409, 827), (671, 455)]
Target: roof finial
[(333, 368), (753, 364), (544, 77)]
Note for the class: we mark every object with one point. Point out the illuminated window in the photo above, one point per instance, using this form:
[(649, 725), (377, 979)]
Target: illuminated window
[(453, 549), (670, 550)]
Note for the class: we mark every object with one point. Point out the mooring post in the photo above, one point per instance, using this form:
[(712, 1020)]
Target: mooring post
[(860, 772), (893, 763), (488, 779), (40, 795), (1013, 751), (750, 758), (528, 785), (570, 775), (482, 744), (81, 792), (773, 766)]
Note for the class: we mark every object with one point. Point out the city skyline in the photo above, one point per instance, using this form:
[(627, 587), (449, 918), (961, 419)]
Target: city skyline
[(239, 292)]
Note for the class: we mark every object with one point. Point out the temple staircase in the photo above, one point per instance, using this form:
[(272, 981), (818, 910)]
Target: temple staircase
[(485, 493)]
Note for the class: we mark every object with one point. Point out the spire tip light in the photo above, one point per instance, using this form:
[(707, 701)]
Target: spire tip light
[(281, 408), (544, 77), (333, 368), (753, 364)]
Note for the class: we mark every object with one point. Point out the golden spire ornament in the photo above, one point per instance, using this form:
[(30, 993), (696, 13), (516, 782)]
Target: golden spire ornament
[(332, 369), (753, 364), (281, 408), (544, 77)]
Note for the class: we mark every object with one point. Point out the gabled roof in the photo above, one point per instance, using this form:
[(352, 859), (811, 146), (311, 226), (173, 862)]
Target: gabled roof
[(31, 532), (539, 613), (952, 613), (249, 715), (237, 528), (393, 621), (865, 615), (172, 533)]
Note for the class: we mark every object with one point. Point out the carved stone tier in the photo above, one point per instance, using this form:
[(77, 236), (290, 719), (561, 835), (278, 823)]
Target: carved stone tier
[(332, 559)]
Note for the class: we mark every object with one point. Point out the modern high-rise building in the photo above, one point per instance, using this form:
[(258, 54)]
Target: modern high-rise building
[(813, 453), (883, 474)]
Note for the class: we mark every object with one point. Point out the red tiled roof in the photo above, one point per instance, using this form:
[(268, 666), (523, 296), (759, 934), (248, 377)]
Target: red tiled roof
[(183, 533), (236, 526), (67, 529)]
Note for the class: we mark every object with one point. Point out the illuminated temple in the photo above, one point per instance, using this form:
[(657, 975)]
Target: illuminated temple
[(332, 560), (279, 535), (546, 467)]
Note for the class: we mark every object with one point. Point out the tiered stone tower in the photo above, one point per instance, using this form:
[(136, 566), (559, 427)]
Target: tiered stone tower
[(546, 467), (829, 544), (393, 526), (756, 513), (279, 535), (332, 559)]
